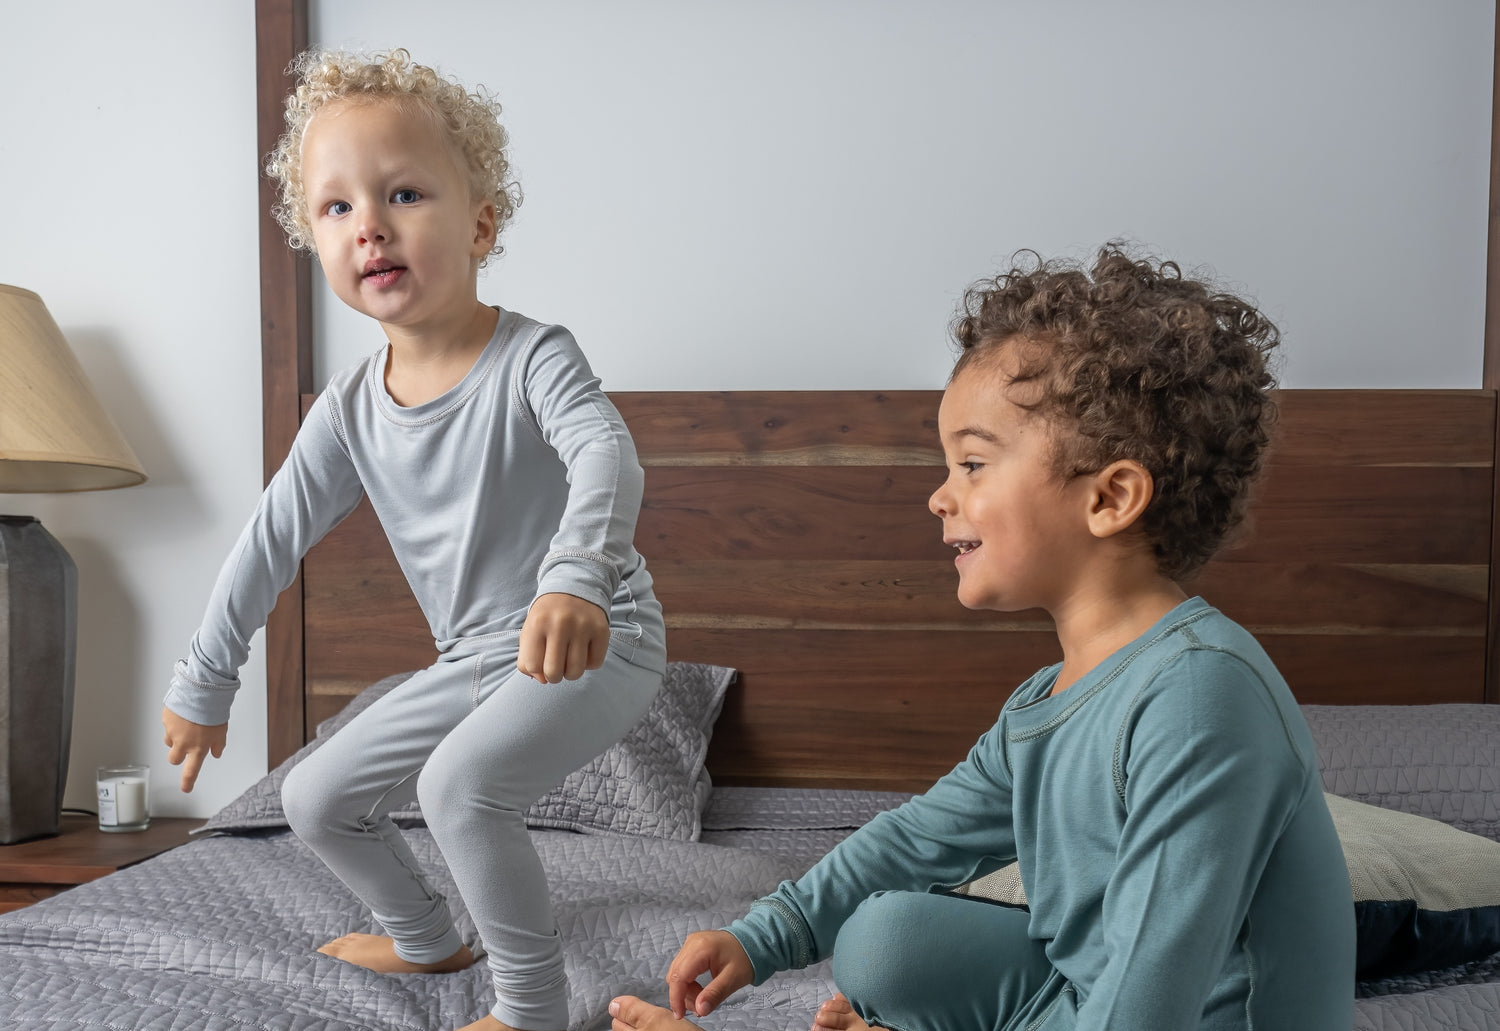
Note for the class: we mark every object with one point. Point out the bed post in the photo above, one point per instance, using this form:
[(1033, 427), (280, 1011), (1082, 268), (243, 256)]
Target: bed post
[(286, 356), (1492, 374)]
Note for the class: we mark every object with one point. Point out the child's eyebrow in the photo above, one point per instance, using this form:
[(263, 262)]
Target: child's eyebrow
[(974, 431)]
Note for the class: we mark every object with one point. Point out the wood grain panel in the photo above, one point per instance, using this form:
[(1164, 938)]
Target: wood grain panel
[(834, 427), (1335, 514), (19, 896), (824, 594), (1413, 600), (919, 700), (789, 537), (361, 621), (766, 594), (1491, 369), (1382, 428), (789, 427), (789, 513), (286, 356), (1375, 669), (1409, 514), (906, 705), (325, 699)]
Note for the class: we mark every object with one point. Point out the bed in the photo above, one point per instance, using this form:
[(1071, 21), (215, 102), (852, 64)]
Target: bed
[(805, 591), (809, 602)]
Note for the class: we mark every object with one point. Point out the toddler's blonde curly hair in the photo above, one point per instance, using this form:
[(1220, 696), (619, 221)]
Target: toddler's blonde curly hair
[(472, 120)]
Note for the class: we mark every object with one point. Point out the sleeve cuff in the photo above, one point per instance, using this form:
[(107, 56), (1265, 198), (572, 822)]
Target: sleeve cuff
[(773, 944), (201, 700), (582, 574)]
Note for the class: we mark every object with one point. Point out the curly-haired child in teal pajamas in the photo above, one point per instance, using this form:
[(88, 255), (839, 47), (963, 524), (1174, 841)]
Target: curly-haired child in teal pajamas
[(1159, 786)]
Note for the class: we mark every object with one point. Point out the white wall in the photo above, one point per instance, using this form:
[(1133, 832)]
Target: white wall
[(792, 193), (767, 194), (128, 168)]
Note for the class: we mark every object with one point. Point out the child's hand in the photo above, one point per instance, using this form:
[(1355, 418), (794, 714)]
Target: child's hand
[(837, 1015), (632, 1014), (714, 952), (190, 743), (563, 637)]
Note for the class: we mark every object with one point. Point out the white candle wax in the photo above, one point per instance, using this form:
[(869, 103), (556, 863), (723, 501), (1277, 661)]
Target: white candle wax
[(130, 801)]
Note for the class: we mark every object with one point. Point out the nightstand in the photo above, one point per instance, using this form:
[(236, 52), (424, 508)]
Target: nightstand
[(38, 869)]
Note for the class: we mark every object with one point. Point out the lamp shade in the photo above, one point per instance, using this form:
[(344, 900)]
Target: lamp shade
[(54, 436)]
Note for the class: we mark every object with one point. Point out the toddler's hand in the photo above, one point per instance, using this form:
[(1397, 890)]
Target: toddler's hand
[(190, 743), (714, 952), (563, 637)]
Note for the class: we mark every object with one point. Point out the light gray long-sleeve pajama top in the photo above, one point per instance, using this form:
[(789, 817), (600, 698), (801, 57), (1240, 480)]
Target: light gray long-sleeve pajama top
[(1167, 811), (520, 481)]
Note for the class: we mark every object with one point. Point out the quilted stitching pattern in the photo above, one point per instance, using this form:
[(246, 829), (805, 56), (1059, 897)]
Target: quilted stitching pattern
[(220, 934), (1438, 761), (792, 809), (652, 782)]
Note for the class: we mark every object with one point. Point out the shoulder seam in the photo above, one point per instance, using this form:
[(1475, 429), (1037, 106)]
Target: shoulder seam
[(518, 385), (1117, 770)]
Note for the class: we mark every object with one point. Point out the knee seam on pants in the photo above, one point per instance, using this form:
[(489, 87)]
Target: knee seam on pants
[(380, 808)]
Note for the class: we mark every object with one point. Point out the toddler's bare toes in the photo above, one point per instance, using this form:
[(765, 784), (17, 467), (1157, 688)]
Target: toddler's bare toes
[(836, 1014)]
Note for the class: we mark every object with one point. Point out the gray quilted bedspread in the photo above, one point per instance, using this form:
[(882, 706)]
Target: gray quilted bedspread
[(1438, 761), (221, 934)]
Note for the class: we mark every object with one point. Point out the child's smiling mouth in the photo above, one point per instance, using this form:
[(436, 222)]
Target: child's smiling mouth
[(964, 547)]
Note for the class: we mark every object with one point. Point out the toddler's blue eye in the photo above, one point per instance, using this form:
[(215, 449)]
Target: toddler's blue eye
[(405, 197), (339, 207)]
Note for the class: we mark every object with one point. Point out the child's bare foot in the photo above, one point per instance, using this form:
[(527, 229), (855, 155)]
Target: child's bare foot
[(378, 953), (632, 1014), (488, 1022), (837, 1015)]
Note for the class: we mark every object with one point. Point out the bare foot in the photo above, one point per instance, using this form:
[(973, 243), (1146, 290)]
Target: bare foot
[(837, 1015), (378, 953), (632, 1014), (488, 1022)]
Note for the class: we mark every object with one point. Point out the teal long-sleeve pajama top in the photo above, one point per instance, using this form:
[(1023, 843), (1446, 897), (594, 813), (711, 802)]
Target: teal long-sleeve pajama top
[(1167, 812)]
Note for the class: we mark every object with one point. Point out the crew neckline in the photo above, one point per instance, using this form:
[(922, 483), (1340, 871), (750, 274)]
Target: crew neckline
[(1041, 710), (449, 400)]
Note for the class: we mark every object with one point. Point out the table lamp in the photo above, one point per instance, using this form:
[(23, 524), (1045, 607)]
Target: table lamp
[(54, 436)]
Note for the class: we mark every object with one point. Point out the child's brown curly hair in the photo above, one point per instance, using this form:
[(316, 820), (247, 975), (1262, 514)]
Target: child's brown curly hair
[(1130, 360), (471, 120)]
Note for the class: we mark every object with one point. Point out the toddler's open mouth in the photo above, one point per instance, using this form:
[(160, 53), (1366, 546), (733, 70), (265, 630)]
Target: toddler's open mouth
[(383, 272)]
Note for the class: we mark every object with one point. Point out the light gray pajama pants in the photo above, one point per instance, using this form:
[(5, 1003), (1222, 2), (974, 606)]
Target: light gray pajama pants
[(476, 743)]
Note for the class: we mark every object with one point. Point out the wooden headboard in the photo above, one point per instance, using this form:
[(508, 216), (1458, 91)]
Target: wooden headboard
[(789, 537)]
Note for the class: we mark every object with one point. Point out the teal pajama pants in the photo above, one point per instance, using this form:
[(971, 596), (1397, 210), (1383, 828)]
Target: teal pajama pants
[(476, 743), (916, 962)]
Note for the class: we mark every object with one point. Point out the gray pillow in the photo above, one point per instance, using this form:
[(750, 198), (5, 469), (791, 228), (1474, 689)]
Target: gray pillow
[(651, 783)]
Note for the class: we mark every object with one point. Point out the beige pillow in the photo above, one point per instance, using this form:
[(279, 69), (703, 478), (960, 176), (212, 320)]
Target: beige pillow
[(1426, 895)]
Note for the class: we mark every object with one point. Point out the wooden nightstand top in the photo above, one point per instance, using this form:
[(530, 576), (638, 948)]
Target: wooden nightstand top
[(82, 852)]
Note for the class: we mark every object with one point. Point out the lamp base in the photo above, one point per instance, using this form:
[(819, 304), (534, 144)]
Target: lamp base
[(38, 636)]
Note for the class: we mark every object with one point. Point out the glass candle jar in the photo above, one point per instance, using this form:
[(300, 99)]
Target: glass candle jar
[(124, 797)]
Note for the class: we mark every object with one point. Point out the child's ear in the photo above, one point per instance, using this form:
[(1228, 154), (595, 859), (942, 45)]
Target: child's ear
[(484, 229), (1118, 495)]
